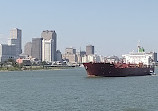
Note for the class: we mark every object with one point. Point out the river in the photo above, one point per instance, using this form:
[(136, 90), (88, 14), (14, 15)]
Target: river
[(72, 90)]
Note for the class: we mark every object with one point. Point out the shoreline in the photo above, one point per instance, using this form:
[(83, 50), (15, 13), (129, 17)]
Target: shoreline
[(33, 68)]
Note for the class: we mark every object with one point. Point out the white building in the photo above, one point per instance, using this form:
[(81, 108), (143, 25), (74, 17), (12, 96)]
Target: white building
[(15, 39), (7, 52), (47, 50), (49, 44), (92, 58), (71, 58)]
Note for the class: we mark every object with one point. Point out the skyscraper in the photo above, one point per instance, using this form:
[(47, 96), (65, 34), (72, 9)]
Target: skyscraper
[(37, 48), (89, 50), (59, 56), (28, 48), (15, 39), (7, 52), (49, 46)]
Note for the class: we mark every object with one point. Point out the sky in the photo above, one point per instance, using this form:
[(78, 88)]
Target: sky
[(114, 27)]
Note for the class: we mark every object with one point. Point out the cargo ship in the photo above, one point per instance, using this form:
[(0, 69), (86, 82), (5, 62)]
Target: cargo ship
[(117, 69)]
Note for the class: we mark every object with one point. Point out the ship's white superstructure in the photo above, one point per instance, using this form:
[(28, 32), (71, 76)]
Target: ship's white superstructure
[(140, 57)]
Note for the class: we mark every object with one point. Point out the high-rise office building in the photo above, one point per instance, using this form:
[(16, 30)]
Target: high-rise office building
[(7, 52), (15, 39), (70, 51), (59, 56), (70, 55), (49, 46), (28, 48), (47, 53), (37, 48), (89, 50)]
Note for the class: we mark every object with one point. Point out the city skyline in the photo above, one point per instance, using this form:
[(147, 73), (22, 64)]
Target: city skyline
[(113, 27)]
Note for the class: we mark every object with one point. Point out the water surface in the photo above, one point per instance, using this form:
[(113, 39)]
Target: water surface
[(72, 90)]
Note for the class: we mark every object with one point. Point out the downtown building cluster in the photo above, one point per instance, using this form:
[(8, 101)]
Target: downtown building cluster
[(41, 50), (14, 47), (74, 57), (44, 49)]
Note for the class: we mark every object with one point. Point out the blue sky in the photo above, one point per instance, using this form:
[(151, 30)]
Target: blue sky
[(114, 27)]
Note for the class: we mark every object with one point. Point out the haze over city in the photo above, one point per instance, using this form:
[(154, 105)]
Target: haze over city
[(113, 27)]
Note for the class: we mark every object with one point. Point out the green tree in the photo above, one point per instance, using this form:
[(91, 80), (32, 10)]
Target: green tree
[(43, 63)]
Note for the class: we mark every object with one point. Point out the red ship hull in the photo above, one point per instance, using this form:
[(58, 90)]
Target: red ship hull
[(115, 70)]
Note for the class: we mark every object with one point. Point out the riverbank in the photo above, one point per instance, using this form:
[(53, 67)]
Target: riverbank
[(24, 68)]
